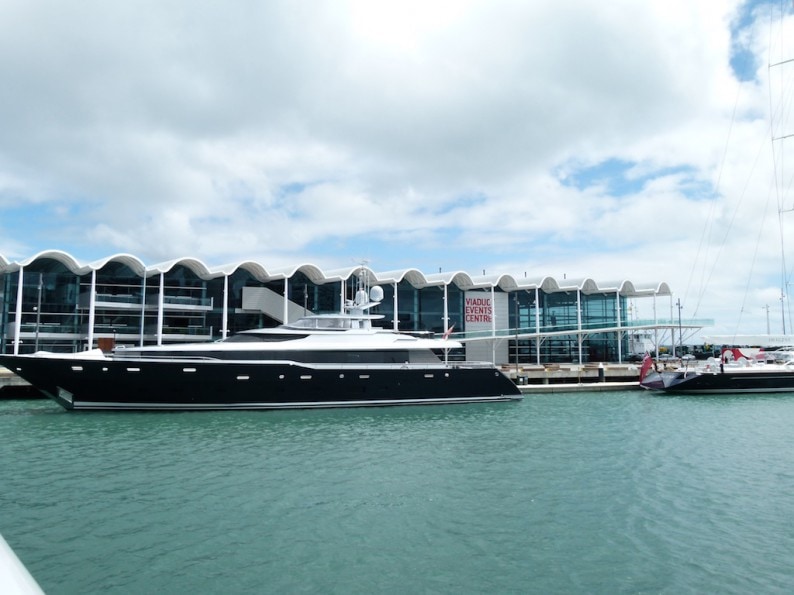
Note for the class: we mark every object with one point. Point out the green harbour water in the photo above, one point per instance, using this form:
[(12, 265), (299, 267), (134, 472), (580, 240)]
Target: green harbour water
[(612, 492)]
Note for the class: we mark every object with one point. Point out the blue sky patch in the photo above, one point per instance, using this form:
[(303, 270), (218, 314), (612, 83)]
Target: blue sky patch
[(292, 188), (616, 178), (743, 62), (610, 174), (463, 201)]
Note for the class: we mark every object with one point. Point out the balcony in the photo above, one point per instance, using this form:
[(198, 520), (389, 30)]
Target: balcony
[(111, 301), (182, 333), (28, 330), (181, 303), (132, 301)]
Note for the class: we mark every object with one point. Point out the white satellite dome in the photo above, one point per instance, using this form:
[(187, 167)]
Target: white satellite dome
[(376, 293)]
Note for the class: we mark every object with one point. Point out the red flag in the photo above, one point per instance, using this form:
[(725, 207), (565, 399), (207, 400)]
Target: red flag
[(647, 366)]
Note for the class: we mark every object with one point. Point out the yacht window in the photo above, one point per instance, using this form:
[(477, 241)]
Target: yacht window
[(262, 338), (320, 322), (328, 323)]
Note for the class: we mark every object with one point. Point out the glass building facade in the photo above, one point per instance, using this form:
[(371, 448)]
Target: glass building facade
[(52, 302)]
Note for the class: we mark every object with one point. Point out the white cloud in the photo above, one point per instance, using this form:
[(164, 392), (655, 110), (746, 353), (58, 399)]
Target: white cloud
[(314, 131)]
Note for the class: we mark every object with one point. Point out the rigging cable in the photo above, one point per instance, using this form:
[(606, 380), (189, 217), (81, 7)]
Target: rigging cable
[(710, 218)]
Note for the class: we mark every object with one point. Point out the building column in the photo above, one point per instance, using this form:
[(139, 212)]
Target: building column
[(446, 307), (672, 329), (655, 328), (39, 288), (537, 324), (92, 310), (620, 342), (579, 322), (446, 320), (285, 315), (225, 321), (493, 325), (160, 302), (396, 319), (143, 309), (18, 318)]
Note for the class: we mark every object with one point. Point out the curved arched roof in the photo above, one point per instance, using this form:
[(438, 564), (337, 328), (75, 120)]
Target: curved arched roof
[(660, 288), (134, 263), (60, 256), (504, 282), (460, 278), (344, 274), (315, 274), (547, 284), (194, 264), (584, 285), (413, 276), (256, 269)]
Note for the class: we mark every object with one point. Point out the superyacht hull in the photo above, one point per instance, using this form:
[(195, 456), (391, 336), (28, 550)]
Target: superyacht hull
[(197, 384)]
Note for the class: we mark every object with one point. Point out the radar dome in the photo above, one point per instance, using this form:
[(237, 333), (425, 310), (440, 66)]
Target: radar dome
[(376, 293)]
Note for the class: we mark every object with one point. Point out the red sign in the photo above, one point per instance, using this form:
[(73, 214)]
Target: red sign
[(479, 309)]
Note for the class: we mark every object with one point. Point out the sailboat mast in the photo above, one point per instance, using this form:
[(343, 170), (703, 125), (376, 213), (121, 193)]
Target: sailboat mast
[(780, 132), (784, 271)]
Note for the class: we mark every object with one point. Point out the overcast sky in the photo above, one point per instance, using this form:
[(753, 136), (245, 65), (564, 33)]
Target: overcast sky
[(610, 140)]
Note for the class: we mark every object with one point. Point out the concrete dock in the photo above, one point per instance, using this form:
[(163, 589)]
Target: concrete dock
[(567, 378), (587, 387), (13, 387)]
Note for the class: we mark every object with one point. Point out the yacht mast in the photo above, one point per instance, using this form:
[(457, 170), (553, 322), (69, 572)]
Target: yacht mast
[(780, 132)]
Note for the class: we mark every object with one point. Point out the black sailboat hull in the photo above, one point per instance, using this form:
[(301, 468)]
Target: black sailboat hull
[(727, 382), (94, 383)]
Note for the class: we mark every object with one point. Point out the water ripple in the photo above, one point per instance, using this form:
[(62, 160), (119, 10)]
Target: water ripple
[(601, 493)]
